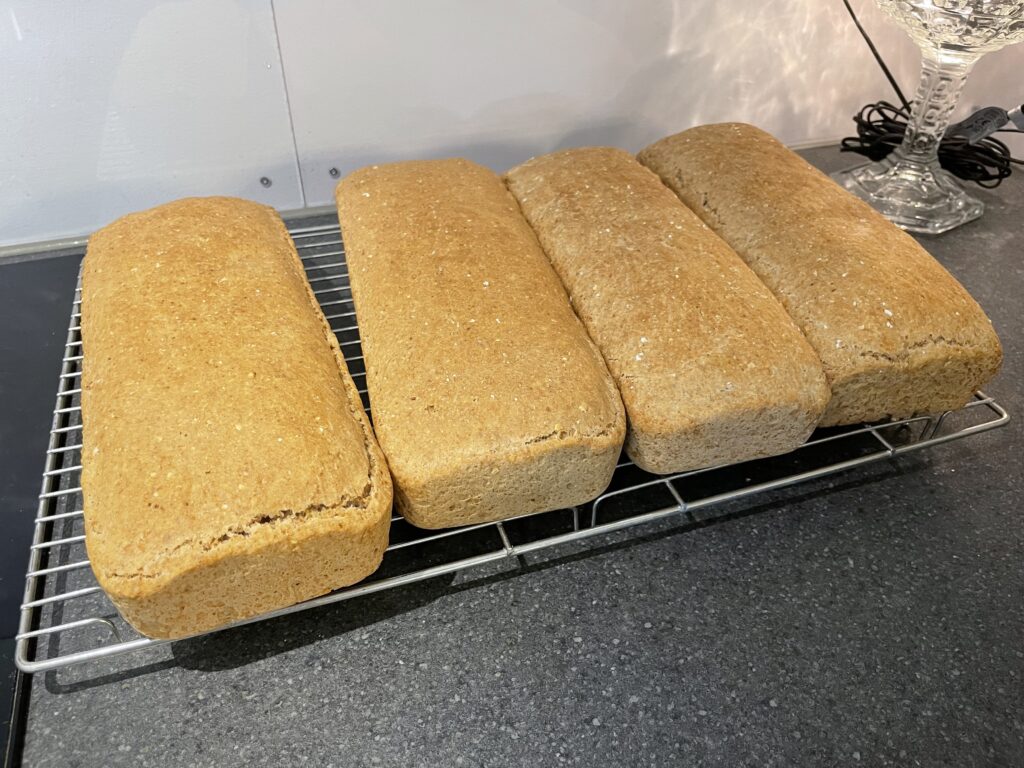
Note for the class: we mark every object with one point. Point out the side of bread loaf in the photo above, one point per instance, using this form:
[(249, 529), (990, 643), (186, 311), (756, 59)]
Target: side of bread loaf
[(488, 398), (896, 333), (228, 466), (710, 367)]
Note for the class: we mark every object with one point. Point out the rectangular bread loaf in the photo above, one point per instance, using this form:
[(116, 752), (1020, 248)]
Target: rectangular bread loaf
[(710, 367), (488, 397), (228, 466), (896, 333)]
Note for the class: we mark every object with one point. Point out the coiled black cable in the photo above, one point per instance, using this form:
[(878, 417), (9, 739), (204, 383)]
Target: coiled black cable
[(880, 129)]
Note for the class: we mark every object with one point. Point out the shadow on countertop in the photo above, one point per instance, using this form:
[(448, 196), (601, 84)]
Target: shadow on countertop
[(240, 646)]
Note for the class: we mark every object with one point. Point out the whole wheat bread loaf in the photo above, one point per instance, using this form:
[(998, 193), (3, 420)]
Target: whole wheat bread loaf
[(488, 397), (228, 467), (896, 333), (710, 367)]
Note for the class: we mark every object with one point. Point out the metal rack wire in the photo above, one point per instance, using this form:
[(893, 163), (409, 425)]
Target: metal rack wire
[(66, 619)]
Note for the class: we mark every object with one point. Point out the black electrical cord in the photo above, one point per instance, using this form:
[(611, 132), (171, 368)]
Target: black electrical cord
[(880, 129), (878, 56)]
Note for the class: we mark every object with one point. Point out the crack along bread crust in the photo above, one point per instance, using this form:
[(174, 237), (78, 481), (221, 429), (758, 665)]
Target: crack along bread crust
[(489, 399), (710, 367), (896, 333), (228, 467)]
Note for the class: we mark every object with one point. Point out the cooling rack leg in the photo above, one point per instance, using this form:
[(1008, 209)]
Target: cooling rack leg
[(938, 424)]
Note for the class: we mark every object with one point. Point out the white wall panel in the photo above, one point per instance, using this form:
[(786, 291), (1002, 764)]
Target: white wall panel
[(107, 107), (115, 105), (378, 80)]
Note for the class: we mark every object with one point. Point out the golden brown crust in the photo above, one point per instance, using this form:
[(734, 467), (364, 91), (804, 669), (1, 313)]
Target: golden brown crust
[(897, 334), (710, 367), (488, 397), (224, 441)]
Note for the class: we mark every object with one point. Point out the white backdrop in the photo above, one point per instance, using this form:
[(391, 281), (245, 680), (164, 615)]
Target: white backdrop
[(111, 106)]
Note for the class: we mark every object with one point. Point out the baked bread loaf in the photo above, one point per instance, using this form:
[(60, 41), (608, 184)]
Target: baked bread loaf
[(228, 467), (897, 334), (710, 367), (488, 398)]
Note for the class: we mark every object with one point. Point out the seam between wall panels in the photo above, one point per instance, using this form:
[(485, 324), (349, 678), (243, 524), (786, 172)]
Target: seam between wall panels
[(288, 105)]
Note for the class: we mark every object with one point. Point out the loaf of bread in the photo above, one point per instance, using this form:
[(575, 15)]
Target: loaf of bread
[(710, 367), (228, 466), (897, 334), (488, 397)]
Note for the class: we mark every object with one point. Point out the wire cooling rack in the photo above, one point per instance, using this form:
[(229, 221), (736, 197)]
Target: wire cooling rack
[(66, 619)]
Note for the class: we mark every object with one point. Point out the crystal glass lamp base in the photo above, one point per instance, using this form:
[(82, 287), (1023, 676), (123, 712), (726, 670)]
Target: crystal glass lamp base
[(918, 198)]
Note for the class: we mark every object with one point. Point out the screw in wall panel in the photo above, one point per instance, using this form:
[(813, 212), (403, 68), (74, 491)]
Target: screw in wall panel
[(265, 181), (334, 172)]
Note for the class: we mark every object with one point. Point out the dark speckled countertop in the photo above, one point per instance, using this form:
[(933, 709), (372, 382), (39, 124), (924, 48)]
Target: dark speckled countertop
[(875, 618)]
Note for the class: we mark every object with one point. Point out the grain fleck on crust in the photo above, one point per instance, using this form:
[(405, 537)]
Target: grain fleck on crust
[(228, 467)]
